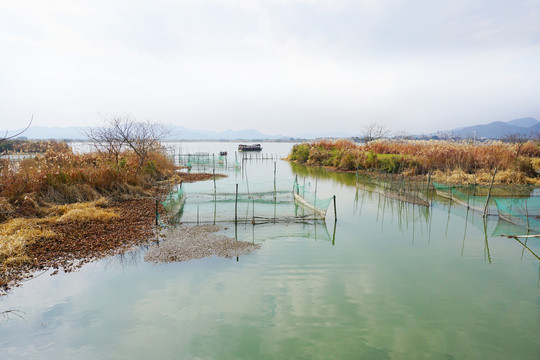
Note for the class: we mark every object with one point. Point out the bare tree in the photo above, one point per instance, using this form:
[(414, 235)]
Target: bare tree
[(6, 137), (374, 131), (123, 131), (104, 140), (517, 138)]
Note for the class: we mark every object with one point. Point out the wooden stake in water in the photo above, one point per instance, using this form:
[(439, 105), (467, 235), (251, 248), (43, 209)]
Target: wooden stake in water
[(236, 206), (214, 171), (335, 211), (275, 195), (315, 200), (489, 192)]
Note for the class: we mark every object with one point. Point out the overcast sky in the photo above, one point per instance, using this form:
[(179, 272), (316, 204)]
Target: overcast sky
[(276, 66)]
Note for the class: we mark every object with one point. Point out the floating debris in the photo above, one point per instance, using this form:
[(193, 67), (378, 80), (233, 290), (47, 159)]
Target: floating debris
[(196, 242)]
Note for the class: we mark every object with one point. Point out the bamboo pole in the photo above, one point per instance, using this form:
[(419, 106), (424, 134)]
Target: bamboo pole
[(315, 198), (489, 191), (334, 233), (236, 206), (335, 211), (275, 194)]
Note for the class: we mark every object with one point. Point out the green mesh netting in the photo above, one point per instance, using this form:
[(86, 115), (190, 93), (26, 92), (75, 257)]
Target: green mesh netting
[(474, 202), (439, 186), (257, 202), (173, 205), (524, 212), (398, 189), (309, 199)]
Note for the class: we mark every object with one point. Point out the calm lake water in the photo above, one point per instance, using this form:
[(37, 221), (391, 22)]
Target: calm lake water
[(387, 281)]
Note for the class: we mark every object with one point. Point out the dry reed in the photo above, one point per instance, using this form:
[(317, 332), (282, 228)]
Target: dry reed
[(460, 162)]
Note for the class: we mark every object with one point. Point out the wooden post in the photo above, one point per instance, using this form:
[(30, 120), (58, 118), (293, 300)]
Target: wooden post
[(236, 206), (197, 214), (275, 195), (335, 211), (214, 171), (489, 191), (315, 198), (334, 234)]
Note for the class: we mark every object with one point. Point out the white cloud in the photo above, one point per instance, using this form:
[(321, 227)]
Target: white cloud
[(284, 65)]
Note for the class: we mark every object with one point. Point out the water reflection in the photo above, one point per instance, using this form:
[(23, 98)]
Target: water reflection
[(7, 315), (402, 281)]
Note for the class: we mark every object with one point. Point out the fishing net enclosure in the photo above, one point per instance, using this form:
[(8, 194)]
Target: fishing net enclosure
[(239, 200), (307, 197), (515, 205), (474, 202), (173, 205), (524, 212)]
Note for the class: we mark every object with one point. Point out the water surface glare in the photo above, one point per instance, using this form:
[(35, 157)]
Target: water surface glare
[(393, 281)]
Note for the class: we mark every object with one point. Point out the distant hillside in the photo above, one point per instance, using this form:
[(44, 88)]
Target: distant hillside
[(177, 133), (498, 129)]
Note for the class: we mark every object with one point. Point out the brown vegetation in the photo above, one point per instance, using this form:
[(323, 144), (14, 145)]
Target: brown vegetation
[(61, 208), (59, 176), (462, 161)]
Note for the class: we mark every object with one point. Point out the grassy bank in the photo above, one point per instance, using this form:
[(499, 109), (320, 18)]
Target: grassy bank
[(452, 162)]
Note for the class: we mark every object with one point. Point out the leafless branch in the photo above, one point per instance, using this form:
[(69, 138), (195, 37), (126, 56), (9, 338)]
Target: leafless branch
[(6, 137), (374, 131)]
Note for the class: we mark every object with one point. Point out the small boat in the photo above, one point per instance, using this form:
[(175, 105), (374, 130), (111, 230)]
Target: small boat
[(253, 147), (222, 153)]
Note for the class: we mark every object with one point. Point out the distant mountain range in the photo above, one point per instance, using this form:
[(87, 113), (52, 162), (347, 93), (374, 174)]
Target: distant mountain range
[(498, 129), (494, 130), (177, 133)]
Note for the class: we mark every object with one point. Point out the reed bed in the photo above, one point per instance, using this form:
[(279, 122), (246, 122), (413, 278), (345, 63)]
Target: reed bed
[(59, 176), (450, 161)]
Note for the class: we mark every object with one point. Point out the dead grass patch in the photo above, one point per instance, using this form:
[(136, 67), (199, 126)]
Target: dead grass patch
[(16, 234)]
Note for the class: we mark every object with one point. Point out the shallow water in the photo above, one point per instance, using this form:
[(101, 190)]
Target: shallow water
[(387, 281)]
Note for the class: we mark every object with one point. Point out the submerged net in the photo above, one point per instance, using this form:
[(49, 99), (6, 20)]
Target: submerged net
[(205, 161), (524, 212), (307, 198)]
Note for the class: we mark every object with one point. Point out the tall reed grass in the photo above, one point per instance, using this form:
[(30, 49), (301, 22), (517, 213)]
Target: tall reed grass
[(422, 157), (60, 176)]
